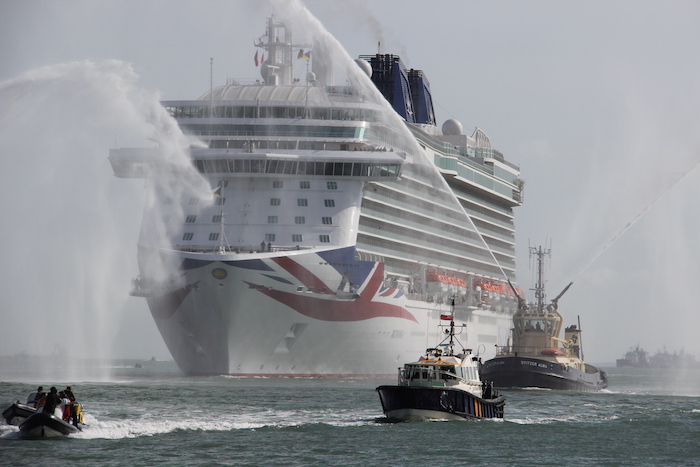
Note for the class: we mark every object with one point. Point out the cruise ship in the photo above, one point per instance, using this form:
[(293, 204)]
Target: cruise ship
[(342, 221)]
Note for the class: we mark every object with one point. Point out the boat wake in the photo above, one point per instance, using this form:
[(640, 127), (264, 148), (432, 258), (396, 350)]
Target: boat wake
[(97, 428)]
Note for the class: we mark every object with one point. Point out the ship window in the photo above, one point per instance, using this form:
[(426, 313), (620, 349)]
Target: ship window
[(333, 185), (327, 220), (188, 236), (277, 184), (302, 202), (275, 202), (296, 237), (269, 237), (324, 238), (329, 203), (300, 220), (220, 201), (304, 185), (191, 218), (194, 201), (271, 219), (214, 236), (216, 219)]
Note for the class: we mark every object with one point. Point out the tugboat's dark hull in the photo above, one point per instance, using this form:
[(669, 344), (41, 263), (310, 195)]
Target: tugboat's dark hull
[(527, 372), (43, 425), (420, 403)]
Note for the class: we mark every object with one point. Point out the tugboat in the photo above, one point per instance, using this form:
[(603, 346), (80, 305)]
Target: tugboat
[(442, 385), (535, 358)]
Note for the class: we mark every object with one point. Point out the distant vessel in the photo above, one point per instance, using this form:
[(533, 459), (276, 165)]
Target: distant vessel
[(442, 384), (336, 237), (635, 357), (535, 358)]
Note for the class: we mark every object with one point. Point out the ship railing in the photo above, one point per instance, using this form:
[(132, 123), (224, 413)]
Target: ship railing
[(241, 250), (524, 351)]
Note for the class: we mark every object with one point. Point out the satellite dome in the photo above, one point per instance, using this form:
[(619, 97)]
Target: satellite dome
[(264, 70), (451, 127), (364, 66), (311, 77)]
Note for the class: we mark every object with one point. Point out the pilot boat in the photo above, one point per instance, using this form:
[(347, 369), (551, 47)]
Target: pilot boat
[(442, 384)]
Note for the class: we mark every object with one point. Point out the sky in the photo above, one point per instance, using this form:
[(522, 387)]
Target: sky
[(596, 101)]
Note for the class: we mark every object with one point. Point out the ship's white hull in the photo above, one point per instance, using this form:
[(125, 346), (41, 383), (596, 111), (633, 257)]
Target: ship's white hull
[(285, 315)]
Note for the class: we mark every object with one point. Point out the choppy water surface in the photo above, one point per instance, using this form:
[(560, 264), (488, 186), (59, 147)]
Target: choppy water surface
[(154, 416)]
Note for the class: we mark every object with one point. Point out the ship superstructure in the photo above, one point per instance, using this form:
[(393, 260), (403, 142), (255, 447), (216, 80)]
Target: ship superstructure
[(328, 223)]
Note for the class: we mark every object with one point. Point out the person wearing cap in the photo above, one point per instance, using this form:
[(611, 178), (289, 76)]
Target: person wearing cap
[(69, 393), (35, 397)]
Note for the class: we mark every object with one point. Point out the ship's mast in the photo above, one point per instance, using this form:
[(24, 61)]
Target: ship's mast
[(540, 295), (280, 52)]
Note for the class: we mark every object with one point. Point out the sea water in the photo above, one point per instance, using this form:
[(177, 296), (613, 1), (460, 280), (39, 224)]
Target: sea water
[(154, 416)]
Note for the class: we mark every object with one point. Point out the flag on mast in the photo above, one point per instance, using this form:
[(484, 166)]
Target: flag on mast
[(304, 55), (256, 58)]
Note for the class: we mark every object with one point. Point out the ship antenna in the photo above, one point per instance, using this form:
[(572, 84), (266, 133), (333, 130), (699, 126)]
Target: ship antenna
[(539, 285)]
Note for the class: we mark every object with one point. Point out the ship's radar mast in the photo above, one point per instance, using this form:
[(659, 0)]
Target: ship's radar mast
[(540, 295), (277, 43)]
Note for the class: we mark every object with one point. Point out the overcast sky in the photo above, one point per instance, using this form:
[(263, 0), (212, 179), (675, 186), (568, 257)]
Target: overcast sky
[(596, 101)]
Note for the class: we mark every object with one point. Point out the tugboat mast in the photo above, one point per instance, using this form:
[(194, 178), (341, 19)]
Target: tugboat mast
[(540, 295)]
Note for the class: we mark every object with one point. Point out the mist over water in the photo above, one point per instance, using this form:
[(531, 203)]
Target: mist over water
[(69, 226)]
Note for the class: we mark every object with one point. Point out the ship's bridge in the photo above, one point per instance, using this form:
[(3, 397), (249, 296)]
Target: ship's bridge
[(365, 165)]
